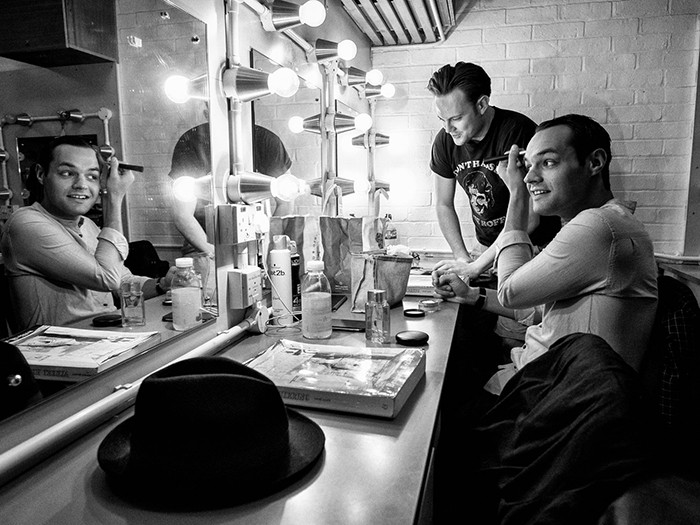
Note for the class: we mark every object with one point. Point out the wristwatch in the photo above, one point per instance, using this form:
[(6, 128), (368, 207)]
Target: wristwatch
[(479, 304)]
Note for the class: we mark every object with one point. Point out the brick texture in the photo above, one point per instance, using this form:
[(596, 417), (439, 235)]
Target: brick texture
[(630, 64)]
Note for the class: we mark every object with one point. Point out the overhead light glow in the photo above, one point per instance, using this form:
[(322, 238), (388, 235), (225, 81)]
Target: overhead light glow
[(374, 77), (283, 82), (347, 50), (363, 122), (177, 88), (388, 90), (312, 13), (296, 124)]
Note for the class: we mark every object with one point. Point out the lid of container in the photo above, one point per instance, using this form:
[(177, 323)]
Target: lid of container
[(314, 266), (376, 295), (280, 242), (412, 338), (184, 262)]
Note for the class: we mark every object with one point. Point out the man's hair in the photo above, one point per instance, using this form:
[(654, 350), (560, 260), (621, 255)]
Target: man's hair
[(47, 154), (586, 137), (470, 78)]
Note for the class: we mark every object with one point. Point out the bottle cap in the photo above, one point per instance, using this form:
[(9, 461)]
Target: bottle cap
[(376, 295), (314, 266), (184, 262), (280, 242), (293, 247)]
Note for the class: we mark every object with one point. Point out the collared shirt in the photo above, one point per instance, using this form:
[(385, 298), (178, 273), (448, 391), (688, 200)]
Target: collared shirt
[(60, 271), (598, 275)]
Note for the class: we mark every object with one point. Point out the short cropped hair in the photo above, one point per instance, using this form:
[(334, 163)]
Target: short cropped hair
[(586, 137), (470, 78), (47, 155)]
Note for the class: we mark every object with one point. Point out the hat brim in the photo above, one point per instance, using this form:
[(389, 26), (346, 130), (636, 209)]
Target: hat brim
[(306, 444)]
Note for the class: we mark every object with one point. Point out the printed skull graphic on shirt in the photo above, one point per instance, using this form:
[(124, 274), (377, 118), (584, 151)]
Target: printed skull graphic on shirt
[(480, 194)]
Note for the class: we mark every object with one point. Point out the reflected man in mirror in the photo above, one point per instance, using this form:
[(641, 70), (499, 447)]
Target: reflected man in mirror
[(61, 267), (192, 158)]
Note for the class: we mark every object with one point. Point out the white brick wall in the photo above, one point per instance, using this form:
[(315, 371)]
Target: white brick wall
[(632, 65)]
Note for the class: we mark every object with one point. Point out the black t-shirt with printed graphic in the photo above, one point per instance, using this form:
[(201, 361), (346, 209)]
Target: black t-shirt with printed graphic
[(488, 194)]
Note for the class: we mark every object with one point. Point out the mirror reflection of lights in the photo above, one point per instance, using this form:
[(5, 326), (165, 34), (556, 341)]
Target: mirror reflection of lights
[(374, 77), (388, 90), (363, 122), (361, 186), (283, 82), (347, 50), (312, 13), (296, 124), (184, 189), (287, 187), (177, 88)]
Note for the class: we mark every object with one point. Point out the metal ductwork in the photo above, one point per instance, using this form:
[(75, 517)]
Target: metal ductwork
[(402, 22)]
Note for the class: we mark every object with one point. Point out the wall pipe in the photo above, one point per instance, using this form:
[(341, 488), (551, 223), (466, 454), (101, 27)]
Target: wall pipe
[(35, 449)]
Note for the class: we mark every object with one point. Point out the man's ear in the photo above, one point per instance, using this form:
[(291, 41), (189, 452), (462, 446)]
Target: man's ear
[(597, 160), (39, 174), (482, 104)]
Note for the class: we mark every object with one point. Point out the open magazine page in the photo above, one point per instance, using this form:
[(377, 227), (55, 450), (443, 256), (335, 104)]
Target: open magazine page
[(53, 345), (343, 369)]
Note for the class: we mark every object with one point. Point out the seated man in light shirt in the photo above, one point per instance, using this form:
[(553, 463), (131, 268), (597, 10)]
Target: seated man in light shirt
[(597, 276), (61, 267)]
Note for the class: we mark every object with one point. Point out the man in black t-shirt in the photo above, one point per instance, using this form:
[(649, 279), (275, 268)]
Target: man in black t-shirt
[(473, 130)]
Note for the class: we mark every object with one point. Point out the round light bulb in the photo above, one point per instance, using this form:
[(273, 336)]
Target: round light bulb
[(374, 77), (184, 189), (363, 122), (177, 88), (361, 186), (312, 13), (283, 82), (388, 90), (285, 187), (296, 124), (347, 50)]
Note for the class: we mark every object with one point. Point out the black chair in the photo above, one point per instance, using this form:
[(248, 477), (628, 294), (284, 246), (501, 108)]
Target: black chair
[(671, 375)]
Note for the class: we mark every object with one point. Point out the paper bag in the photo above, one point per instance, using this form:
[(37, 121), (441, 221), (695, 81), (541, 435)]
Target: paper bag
[(382, 272), (301, 229), (343, 236)]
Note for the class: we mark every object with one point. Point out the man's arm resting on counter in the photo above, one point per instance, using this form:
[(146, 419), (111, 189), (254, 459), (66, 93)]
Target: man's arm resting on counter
[(447, 217)]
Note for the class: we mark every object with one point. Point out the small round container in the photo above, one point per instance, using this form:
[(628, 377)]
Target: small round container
[(429, 305)]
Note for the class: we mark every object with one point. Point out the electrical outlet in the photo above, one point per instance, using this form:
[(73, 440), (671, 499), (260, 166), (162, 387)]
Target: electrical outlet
[(236, 223), (244, 287)]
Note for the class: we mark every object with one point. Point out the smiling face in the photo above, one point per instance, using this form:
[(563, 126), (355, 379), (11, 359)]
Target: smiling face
[(558, 183), (72, 184), (462, 119)]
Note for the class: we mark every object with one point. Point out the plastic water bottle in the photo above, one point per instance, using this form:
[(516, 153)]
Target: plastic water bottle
[(316, 321), (187, 295)]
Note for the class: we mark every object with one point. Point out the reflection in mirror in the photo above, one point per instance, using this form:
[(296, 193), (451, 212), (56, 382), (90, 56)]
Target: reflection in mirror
[(304, 149), (136, 118)]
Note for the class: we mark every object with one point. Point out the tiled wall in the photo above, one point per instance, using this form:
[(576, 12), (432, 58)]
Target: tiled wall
[(631, 65)]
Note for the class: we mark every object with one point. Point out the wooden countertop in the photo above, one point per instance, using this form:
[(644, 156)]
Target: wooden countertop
[(373, 470)]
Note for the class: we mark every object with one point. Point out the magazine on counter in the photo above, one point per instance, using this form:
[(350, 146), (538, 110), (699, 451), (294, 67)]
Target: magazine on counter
[(363, 380), (71, 354)]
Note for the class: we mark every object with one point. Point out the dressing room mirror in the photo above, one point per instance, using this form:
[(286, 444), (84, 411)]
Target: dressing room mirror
[(273, 113), (156, 41)]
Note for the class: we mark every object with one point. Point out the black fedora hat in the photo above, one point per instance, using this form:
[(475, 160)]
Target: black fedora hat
[(208, 431)]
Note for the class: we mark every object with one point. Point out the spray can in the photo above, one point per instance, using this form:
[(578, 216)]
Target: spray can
[(296, 277), (280, 272)]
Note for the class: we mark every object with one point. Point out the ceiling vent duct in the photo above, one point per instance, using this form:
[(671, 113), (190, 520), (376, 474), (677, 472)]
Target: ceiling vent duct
[(402, 22)]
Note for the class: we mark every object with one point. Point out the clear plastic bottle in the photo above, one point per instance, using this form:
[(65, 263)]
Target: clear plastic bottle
[(391, 235), (316, 315), (377, 317), (187, 295)]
